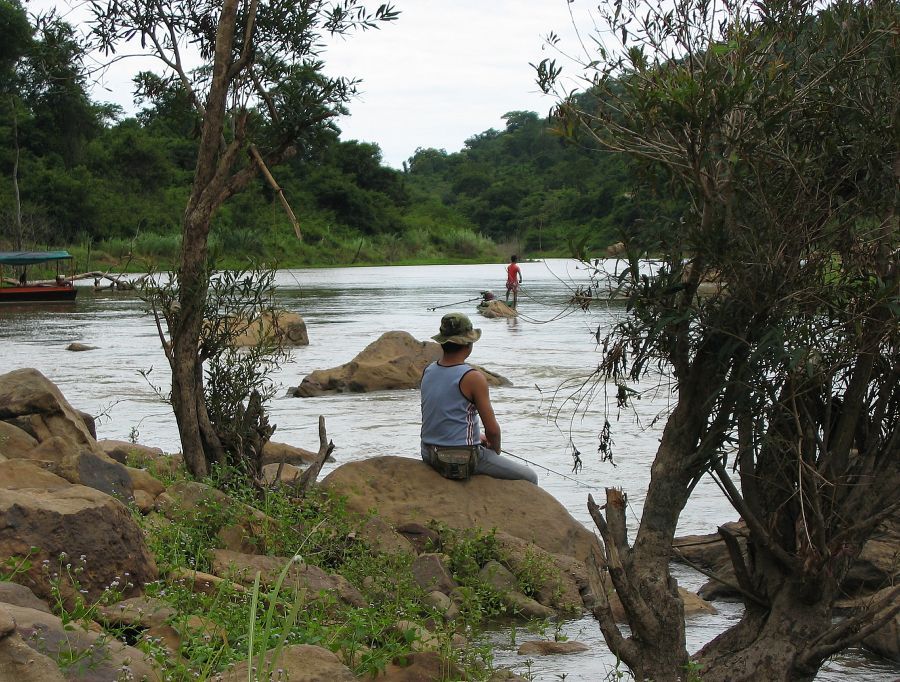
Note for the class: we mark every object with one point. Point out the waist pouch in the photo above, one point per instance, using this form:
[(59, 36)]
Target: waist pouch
[(456, 462)]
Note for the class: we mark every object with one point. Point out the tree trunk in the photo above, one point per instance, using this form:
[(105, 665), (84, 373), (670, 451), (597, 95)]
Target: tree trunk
[(656, 649), (187, 391), (19, 237), (662, 649), (199, 443), (768, 644)]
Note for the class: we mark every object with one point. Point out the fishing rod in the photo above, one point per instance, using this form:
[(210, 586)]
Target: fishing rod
[(541, 466), (468, 300)]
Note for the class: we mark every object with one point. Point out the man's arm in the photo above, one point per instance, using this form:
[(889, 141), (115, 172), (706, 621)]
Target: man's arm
[(475, 387)]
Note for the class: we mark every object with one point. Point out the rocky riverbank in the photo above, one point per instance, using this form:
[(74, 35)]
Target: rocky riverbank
[(113, 565)]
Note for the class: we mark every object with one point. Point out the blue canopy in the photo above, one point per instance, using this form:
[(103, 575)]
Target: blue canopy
[(31, 257)]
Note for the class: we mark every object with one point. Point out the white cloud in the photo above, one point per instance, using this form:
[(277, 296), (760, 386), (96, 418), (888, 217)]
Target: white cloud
[(445, 71)]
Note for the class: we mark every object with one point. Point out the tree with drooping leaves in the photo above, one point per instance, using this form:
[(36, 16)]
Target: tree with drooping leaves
[(262, 96), (778, 122)]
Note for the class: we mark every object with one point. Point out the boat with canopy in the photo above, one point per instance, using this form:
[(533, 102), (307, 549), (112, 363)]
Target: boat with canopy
[(17, 288)]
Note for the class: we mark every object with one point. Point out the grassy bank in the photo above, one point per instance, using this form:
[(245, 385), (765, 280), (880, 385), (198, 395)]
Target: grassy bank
[(232, 621)]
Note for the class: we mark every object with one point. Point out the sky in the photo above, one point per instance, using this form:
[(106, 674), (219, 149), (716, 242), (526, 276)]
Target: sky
[(444, 71)]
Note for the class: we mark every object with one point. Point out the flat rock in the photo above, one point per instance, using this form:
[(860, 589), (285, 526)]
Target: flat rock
[(20, 663), (203, 583), (98, 472), (144, 612), (80, 347), (17, 474), (126, 452), (550, 648), (19, 595), (300, 663), (273, 453), (405, 490), (243, 568), (421, 666)]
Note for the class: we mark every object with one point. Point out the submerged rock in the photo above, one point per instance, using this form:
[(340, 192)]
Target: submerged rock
[(549, 648)]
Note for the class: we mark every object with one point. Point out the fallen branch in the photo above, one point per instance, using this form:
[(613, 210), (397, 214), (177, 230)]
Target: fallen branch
[(326, 447)]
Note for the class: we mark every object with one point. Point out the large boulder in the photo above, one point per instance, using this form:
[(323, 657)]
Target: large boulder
[(875, 566), (33, 403), (77, 525), (405, 490), (89, 656), (395, 360), (279, 329), (886, 640), (14, 442)]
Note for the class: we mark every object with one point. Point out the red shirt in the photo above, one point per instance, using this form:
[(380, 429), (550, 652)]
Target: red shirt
[(513, 273)]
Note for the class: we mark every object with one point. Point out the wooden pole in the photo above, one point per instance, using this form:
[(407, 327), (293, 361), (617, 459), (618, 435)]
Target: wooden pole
[(271, 180)]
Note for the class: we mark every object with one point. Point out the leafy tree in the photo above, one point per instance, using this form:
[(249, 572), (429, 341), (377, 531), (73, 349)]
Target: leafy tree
[(261, 96), (17, 40), (777, 121), (427, 161), (63, 118), (236, 378)]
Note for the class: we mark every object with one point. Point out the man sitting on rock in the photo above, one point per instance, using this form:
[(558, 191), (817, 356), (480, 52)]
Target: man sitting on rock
[(452, 393)]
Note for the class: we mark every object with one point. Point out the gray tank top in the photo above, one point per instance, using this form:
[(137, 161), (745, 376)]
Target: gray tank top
[(448, 417)]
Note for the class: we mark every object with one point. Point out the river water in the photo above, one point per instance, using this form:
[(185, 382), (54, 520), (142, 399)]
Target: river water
[(551, 409)]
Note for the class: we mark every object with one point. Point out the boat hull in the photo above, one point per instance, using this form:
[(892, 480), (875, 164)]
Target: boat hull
[(37, 294)]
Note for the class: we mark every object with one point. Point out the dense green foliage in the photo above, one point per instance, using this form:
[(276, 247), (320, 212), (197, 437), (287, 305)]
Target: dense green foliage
[(111, 187), (530, 187)]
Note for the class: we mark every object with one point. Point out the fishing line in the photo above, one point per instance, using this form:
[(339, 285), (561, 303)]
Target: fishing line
[(530, 297), (447, 305), (541, 466), (531, 320)]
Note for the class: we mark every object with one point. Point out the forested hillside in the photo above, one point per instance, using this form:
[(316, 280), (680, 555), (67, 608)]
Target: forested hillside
[(77, 173)]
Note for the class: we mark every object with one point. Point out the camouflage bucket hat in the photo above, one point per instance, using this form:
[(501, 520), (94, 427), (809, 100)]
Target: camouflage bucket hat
[(457, 328)]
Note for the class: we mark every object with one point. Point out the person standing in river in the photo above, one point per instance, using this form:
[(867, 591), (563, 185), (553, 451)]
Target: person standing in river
[(513, 279), (452, 393)]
